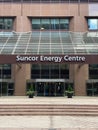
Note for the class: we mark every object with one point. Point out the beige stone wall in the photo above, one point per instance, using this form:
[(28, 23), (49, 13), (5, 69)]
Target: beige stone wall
[(22, 11)]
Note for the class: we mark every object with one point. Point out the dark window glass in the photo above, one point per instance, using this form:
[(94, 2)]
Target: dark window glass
[(93, 71), (92, 88), (54, 24), (51, 71), (36, 24), (6, 23), (1, 23), (50, 23), (35, 71), (45, 24), (64, 24), (5, 71)]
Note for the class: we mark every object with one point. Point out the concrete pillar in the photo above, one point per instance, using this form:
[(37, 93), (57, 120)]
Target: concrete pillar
[(21, 74), (22, 24), (79, 74)]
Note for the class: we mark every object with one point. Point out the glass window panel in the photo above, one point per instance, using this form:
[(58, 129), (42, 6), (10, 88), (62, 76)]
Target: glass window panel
[(64, 24), (9, 23), (45, 23), (5, 71), (54, 24), (93, 24), (6, 23), (50, 23), (93, 71), (4, 89), (50, 71), (1, 23), (36, 24)]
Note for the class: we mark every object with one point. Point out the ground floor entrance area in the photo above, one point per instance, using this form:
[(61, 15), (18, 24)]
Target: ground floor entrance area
[(50, 87), (57, 87)]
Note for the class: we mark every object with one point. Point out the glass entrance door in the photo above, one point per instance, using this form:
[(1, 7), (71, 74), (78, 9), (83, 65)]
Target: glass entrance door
[(50, 89)]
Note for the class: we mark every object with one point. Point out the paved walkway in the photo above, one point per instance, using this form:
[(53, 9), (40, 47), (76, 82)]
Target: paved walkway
[(48, 100), (48, 122)]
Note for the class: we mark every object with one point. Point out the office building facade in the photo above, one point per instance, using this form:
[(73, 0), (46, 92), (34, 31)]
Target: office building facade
[(50, 39)]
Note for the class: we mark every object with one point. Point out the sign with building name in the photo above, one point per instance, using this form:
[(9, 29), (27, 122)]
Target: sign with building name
[(55, 58), (71, 59)]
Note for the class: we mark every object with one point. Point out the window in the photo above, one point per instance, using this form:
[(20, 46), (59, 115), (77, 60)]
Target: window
[(54, 24), (5, 71), (6, 23), (92, 88), (36, 23), (50, 23), (45, 23), (93, 24), (93, 71), (49, 71), (64, 24)]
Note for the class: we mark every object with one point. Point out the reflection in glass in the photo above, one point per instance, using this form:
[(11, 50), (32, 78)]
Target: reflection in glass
[(93, 24), (54, 24), (6, 23), (49, 71), (36, 23), (45, 24), (50, 23)]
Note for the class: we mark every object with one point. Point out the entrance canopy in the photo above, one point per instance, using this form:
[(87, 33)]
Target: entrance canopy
[(48, 43)]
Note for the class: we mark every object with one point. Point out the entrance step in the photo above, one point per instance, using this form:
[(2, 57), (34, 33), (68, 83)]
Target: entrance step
[(48, 110)]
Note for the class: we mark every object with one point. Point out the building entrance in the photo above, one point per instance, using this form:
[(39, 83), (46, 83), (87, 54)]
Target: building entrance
[(50, 89)]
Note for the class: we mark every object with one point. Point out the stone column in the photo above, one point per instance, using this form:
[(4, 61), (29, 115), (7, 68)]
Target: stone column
[(22, 24), (79, 74), (21, 73)]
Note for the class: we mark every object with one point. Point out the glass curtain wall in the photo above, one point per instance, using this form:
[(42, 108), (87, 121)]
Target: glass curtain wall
[(6, 86), (93, 71), (50, 23), (50, 71), (6, 23), (92, 84), (5, 71), (49, 88), (50, 79)]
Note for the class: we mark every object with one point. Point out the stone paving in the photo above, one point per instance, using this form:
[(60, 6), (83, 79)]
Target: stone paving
[(49, 122), (48, 100), (47, 129)]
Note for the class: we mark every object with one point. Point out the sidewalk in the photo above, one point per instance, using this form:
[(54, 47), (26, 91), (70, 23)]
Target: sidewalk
[(48, 122), (48, 100)]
